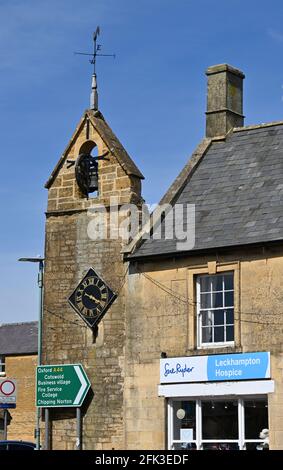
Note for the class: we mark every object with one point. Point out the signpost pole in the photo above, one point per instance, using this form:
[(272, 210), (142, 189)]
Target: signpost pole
[(47, 430), (79, 429), (5, 423), (40, 262), (39, 340)]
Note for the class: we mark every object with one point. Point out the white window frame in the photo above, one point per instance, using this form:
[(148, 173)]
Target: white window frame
[(2, 365), (198, 441), (219, 344)]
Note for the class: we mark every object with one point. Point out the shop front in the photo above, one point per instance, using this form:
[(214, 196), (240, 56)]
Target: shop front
[(217, 402)]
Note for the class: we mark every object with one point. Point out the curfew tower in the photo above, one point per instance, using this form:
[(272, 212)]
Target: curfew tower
[(94, 169)]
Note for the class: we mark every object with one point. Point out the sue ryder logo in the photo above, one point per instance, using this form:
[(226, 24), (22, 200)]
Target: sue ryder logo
[(178, 369)]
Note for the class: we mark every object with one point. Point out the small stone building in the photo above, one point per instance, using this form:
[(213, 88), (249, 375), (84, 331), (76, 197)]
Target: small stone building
[(18, 360), (190, 353)]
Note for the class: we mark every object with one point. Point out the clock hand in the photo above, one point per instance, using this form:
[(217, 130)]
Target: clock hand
[(92, 297)]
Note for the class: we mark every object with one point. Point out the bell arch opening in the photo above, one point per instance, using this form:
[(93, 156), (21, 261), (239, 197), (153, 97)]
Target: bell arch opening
[(89, 147)]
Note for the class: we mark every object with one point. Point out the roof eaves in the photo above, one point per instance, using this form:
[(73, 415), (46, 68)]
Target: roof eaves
[(207, 250), (19, 323)]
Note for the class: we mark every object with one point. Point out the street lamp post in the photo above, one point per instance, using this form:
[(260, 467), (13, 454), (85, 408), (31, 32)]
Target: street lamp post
[(40, 262)]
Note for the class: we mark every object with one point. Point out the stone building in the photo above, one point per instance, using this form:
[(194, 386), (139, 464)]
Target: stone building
[(18, 359), (190, 352), (69, 253)]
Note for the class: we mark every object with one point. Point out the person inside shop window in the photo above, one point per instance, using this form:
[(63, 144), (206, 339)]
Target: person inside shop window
[(189, 446), (264, 434)]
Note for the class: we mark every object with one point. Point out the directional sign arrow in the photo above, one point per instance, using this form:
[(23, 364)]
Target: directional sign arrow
[(61, 385), (84, 385)]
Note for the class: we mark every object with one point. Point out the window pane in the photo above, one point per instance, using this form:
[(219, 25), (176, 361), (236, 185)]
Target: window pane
[(205, 284), (218, 317), (220, 419), (184, 417), (206, 319), (206, 334), (2, 363), (229, 281), (230, 317), (253, 446), (217, 282), (217, 300), (184, 445), (256, 418), (230, 333), (229, 299), (217, 297), (218, 334), (220, 446), (205, 300)]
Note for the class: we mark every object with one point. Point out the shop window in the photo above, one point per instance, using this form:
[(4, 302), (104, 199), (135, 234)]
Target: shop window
[(215, 309), (220, 419), (218, 424), (184, 430), (256, 424)]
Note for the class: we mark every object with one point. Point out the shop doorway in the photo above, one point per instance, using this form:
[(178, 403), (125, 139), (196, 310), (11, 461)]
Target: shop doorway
[(218, 424)]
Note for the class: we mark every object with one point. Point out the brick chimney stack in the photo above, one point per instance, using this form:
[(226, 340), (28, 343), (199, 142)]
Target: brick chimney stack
[(224, 99)]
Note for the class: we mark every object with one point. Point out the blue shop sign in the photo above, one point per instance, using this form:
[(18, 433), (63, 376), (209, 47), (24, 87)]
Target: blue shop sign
[(214, 368)]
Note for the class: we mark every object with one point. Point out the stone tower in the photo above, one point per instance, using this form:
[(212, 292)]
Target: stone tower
[(69, 253)]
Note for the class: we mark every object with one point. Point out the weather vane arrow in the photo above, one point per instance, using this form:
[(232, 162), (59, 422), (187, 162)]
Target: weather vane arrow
[(96, 53)]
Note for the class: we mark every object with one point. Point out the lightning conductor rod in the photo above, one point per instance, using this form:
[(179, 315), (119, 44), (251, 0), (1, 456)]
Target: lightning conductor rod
[(94, 94)]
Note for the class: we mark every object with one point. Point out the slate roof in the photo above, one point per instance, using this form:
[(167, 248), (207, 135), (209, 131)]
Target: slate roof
[(18, 338), (111, 141), (237, 188)]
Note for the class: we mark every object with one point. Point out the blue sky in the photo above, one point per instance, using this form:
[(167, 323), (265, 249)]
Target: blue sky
[(153, 96)]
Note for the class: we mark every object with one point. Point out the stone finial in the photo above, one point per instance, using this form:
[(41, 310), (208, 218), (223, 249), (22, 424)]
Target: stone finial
[(224, 99)]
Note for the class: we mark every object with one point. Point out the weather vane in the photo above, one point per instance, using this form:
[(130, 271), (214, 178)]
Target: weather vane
[(96, 53)]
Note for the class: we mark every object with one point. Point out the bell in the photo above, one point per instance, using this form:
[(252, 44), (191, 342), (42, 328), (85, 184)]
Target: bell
[(86, 170), (93, 184), (93, 176)]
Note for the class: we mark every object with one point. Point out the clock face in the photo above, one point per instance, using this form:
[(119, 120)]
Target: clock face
[(92, 298)]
